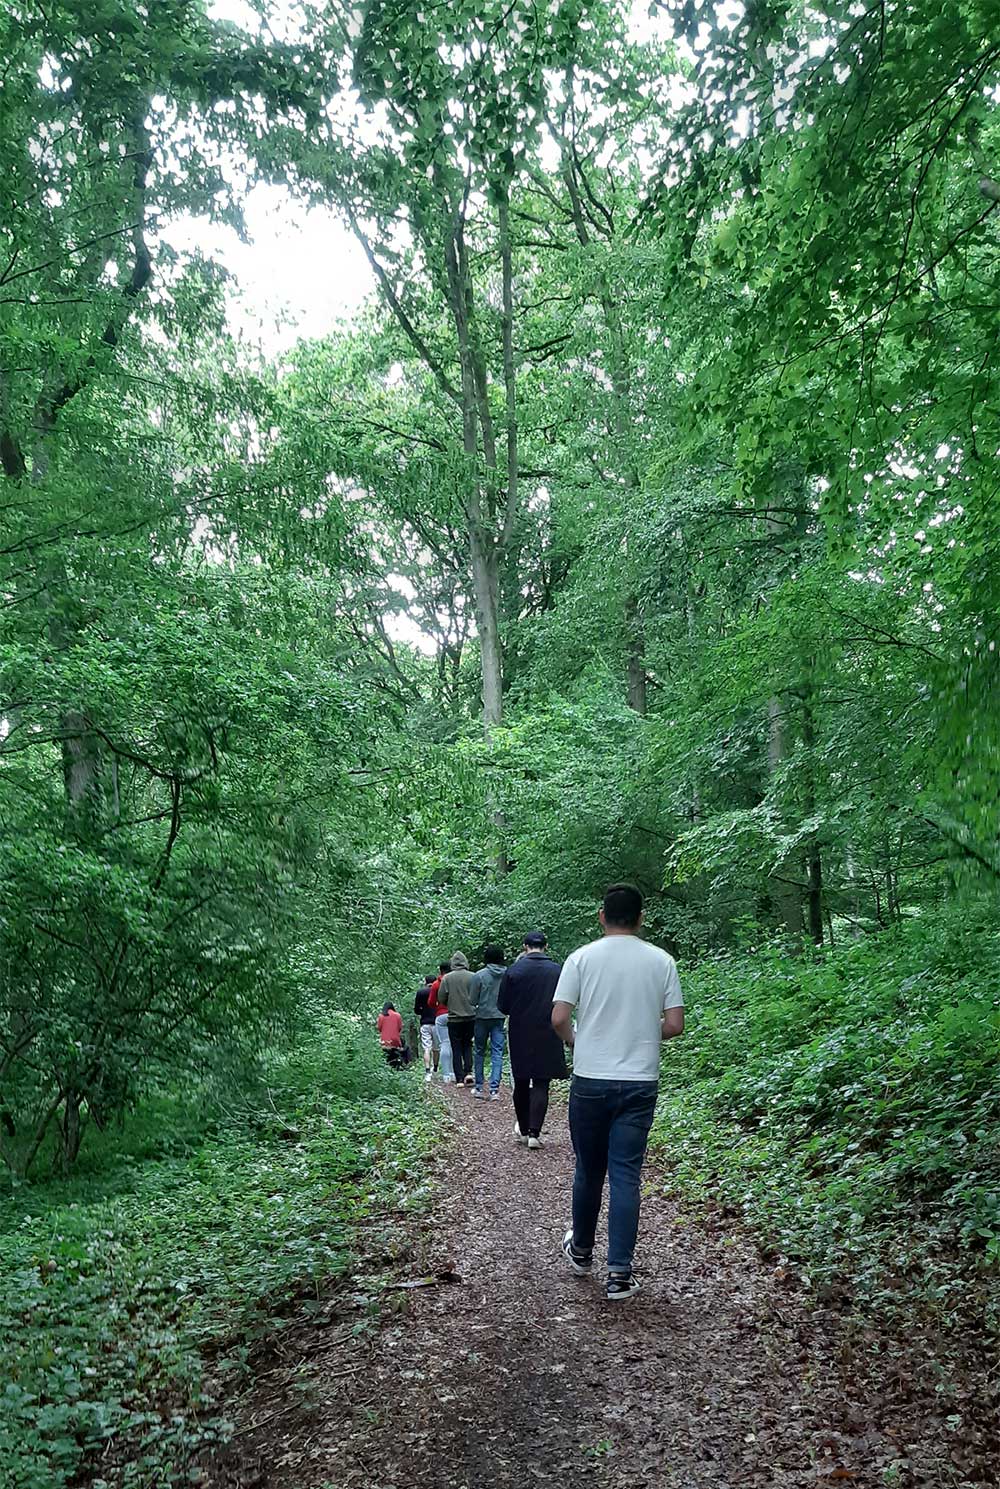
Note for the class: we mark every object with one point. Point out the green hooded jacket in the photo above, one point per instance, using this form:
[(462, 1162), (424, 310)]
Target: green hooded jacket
[(453, 993)]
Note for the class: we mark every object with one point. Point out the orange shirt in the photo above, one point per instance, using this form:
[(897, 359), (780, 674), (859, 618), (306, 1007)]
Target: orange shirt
[(390, 1030)]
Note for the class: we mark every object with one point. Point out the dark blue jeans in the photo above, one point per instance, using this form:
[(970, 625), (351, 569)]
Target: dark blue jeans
[(488, 1031), (609, 1123)]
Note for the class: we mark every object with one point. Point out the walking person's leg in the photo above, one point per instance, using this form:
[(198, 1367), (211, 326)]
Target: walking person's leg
[(481, 1033), (627, 1138), (427, 1047), (522, 1106), (461, 1048), (447, 1066), (496, 1055), (538, 1107), (589, 1126)]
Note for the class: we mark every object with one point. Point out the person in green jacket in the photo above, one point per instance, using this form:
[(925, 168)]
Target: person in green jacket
[(483, 993), (453, 994)]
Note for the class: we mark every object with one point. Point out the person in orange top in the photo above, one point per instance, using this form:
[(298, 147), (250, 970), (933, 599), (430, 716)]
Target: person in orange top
[(390, 1032)]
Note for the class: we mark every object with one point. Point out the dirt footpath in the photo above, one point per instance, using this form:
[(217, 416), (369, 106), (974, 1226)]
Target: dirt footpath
[(718, 1375)]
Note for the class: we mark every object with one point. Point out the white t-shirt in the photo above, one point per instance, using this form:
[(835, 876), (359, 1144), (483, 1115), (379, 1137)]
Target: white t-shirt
[(620, 987)]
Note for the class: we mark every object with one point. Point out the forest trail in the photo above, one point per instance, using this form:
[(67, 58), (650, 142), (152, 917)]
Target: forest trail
[(716, 1376)]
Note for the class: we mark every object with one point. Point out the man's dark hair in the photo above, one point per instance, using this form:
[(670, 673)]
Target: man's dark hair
[(493, 953), (622, 906), (430, 976), (444, 966)]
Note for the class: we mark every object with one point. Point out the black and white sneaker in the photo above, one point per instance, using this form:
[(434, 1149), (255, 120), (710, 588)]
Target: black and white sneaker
[(622, 1285), (580, 1261)]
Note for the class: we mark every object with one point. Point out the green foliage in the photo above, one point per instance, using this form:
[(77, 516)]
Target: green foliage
[(670, 435), (164, 722), (119, 1285), (848, 1101), (829, 226)]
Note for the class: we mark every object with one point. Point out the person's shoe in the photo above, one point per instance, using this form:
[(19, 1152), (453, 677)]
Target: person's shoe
[(447, 1080), (428, 1076), (622, 1285), (470, 1080), (534, 1142), (519, 1136), (494, 1095), (580, 1261), (478, 1093)]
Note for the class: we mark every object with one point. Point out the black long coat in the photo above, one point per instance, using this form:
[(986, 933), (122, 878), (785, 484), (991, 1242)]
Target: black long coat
[(526, 988)]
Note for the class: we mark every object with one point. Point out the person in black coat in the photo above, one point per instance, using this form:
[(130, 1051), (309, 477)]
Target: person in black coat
[(536, 1051)]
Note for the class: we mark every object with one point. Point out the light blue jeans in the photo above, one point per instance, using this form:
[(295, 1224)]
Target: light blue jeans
[(445, 1068), (492, 1030)]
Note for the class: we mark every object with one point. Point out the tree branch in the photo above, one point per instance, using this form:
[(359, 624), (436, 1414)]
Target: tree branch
[(409, 329)]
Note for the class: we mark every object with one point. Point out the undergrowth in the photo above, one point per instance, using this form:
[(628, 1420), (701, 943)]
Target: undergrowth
[(848, 1102), (118, 1284)]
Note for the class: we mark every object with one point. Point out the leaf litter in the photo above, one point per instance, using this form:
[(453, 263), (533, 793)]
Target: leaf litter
[(490, 1366)]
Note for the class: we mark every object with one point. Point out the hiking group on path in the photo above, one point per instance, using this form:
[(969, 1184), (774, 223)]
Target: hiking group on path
[(613, 1002)]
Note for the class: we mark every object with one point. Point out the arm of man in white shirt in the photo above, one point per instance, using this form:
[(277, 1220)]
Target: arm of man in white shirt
[(672, 1023), (565, 999), (562, 1022)]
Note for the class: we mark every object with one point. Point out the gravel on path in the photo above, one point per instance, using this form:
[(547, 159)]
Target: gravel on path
[(717, 1375)]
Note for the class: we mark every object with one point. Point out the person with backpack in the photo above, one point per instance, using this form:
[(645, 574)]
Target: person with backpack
[(488, 1024), (430, 1044), (536, 1054), (453, 994)]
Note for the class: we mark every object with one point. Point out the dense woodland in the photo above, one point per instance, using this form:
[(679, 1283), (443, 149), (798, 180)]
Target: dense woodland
[(644, 525)]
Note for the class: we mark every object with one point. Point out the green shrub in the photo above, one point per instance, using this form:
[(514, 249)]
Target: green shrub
[(849, 1101), (113, 1291)]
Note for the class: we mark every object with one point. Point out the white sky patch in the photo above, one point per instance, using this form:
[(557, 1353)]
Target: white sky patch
[(301, 274)]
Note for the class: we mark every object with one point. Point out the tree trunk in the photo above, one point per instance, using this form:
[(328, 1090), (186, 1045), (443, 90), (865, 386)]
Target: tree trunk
[(484, 587), (636, 656), (787, 897), (621, 384), (482, 546), (814, 893), (814, 860), (509, 370), (71, 1131), (90, 779), (690, 619)]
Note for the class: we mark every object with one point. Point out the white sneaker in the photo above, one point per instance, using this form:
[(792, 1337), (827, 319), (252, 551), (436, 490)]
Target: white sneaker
[(581, 1261), (519, 1136), (427, 1076), (534, 1142)]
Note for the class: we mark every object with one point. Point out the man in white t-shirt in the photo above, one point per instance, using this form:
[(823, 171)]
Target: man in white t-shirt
[(627, 998)]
